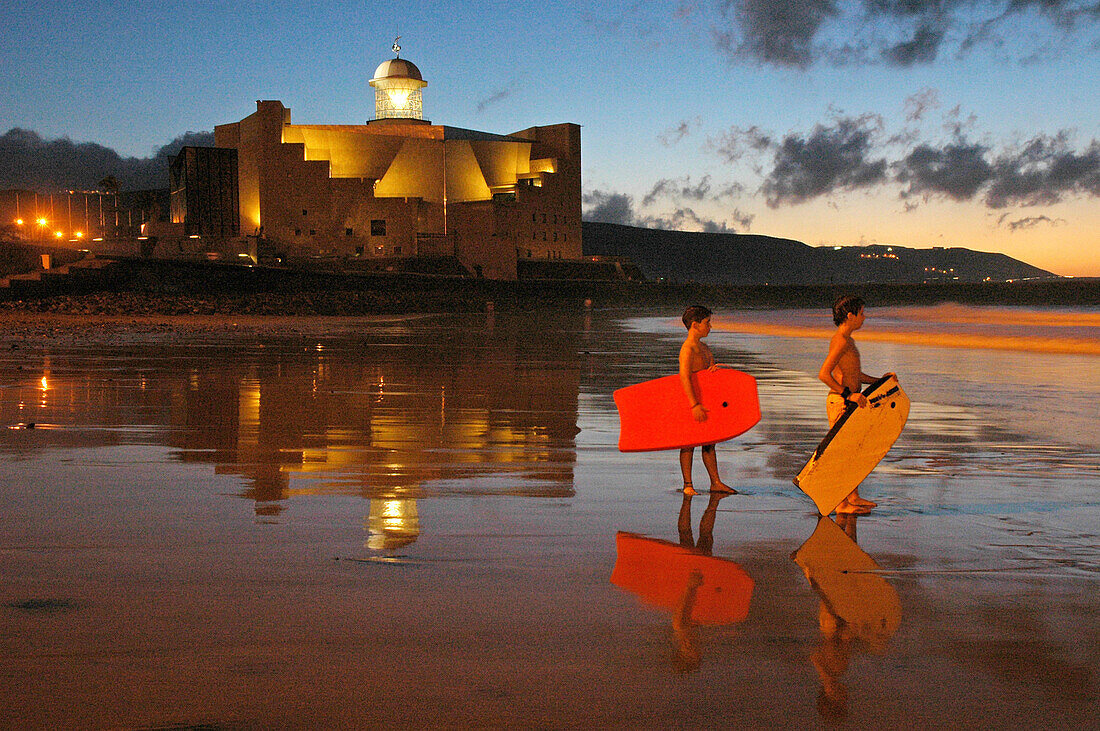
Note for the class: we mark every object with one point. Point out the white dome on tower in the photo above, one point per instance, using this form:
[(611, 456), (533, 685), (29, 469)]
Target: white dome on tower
[(396, 68), (397, 84)]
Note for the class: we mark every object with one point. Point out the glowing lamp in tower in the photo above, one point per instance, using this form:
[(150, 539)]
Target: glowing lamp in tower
[(397, 84)]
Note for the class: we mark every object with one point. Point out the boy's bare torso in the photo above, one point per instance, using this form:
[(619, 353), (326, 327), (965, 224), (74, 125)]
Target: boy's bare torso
[(701, 357), (848, 367)]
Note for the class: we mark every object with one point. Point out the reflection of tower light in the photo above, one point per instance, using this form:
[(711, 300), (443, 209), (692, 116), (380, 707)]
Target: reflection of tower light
[(392, 523), (248, 416)]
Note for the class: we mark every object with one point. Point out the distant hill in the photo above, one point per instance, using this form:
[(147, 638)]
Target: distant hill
[(716, 258)]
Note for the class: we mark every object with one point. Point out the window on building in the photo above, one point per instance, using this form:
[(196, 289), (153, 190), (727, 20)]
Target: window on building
[(358, 250), (534, 218), (378, 227), (528, 253), (313, 232), (348, 232), (397, 249), (297, 232), (305, 212)]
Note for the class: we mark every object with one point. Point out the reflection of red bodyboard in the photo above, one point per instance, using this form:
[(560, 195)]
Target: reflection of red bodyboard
[(656, 415), (658, 572)]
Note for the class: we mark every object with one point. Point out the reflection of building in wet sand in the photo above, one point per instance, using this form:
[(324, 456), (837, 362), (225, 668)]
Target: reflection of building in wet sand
[(392, 523), (325, 424), (397, 413)]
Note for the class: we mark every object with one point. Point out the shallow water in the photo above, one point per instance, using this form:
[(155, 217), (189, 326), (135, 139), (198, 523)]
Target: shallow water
[(414, 522)]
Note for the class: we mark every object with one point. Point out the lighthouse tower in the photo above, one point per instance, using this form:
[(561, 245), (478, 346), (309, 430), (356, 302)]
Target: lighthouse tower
[(397, 84)]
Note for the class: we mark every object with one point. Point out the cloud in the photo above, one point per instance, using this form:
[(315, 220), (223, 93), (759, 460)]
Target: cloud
[(1042, 171), (737, 142), (902, 33), (492, 99), (1022, 224), (922, 47), (187, 139), (956, 125), (29, 161), (672, 135), (849, 153), (857, 152), (779, 32), (606, 207), (636, 19), (609, 207), (1063, 13), (919, 104), (678, 189), (831, 158), (730, 191), (685, 219), (957, 170), (742, 219)]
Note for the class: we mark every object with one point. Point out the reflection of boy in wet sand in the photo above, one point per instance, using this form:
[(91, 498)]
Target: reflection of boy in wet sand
[(831, 663), (688, 653), (858, 610), (843, 374), (695, 356), (830, 660), (705, 544)]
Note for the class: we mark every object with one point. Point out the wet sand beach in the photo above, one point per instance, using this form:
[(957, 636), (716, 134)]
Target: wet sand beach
[(424, 521)]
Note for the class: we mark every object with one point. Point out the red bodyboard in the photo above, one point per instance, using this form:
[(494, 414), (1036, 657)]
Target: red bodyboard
[(656, 415), (659, 573)]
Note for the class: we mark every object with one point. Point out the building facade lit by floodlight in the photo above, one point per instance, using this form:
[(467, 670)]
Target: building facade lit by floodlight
[(400, 187)]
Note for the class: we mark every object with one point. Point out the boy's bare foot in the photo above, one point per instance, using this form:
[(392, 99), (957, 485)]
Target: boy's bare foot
[(857, 500), (847, 508), (722, 487), (689, 490)]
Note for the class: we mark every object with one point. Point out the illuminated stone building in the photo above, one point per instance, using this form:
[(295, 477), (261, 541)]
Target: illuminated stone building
[(400, 186)]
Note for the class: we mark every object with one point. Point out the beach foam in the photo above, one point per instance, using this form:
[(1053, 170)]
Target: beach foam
[(948, 325)]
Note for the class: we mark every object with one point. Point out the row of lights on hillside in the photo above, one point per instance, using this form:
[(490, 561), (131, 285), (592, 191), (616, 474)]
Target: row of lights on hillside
[(43, 223)]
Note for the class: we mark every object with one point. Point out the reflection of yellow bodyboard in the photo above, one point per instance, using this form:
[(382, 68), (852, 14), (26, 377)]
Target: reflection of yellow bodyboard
[(838, 571), (856, 443)]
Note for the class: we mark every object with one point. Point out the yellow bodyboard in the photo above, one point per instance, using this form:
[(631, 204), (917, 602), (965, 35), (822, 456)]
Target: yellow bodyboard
[(856, 443)]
